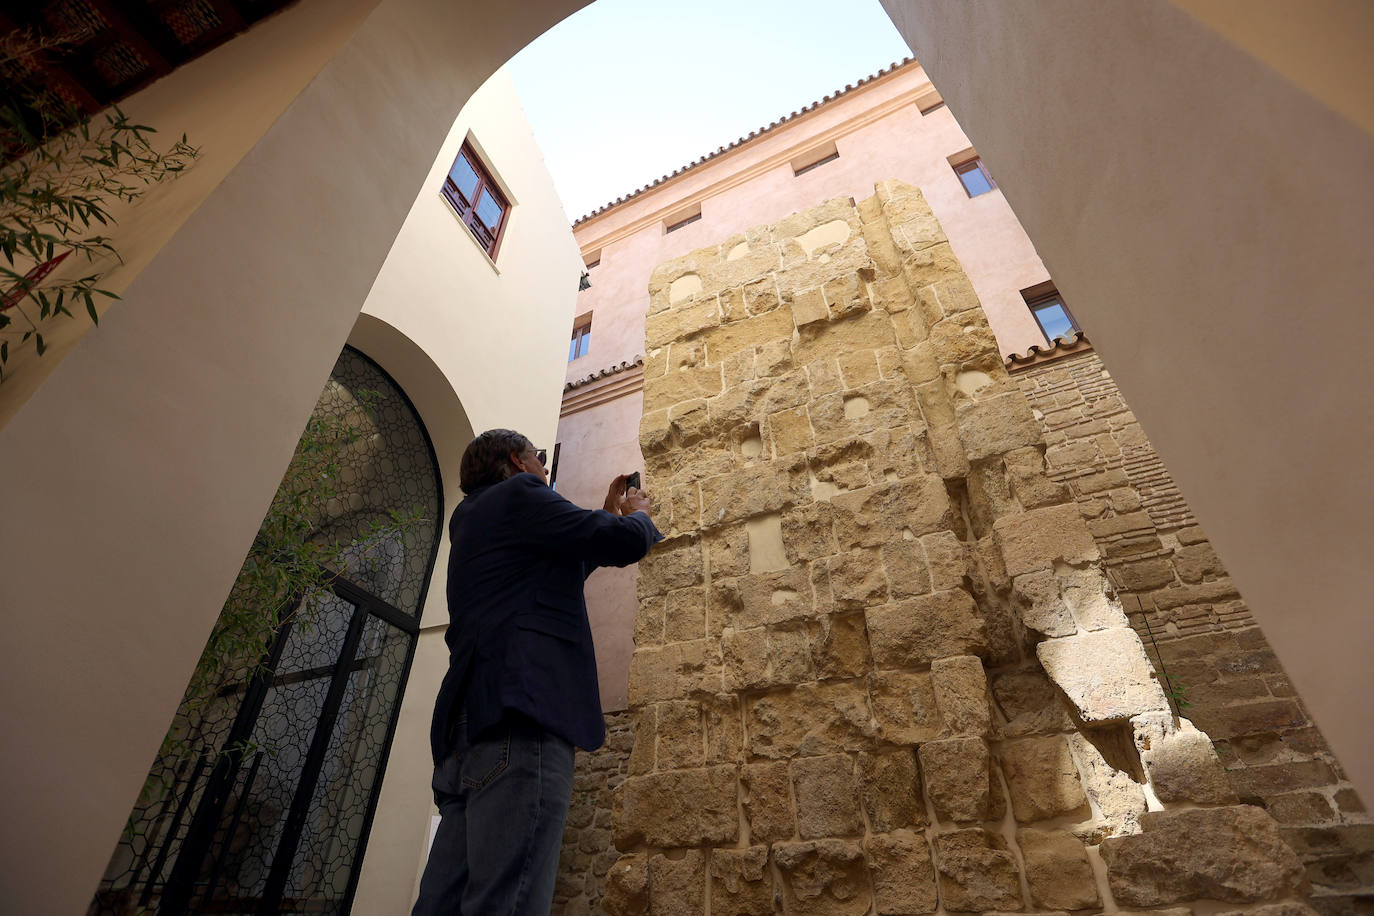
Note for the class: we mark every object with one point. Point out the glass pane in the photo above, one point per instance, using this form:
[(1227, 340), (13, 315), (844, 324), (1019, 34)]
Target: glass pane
[(584, 342), (572, 349), (975, 182), (489, 210), (1054, 321), (464, 177)]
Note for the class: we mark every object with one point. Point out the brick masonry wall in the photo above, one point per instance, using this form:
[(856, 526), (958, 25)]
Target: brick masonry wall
[(1196, 627), (588, 853)]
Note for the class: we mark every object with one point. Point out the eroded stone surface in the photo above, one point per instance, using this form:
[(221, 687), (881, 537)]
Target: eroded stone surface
[(977, 872), (958, 780), (1105, 674), (961, 695), (678, 808), (741, 884), (903, 874), (1057, 870), (1043, 779), (823, 877), (1233, 854)]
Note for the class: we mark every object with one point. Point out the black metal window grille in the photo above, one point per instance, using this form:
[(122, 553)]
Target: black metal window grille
[(268, 811)]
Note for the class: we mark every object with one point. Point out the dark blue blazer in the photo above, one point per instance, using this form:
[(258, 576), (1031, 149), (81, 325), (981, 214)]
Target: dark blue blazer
[(518, 633)]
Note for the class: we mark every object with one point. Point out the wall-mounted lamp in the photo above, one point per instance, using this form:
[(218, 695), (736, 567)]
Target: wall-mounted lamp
[(584, 283)]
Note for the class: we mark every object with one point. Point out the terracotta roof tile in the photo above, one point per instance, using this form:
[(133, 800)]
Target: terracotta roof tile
[(603, 373), (1061, 346)]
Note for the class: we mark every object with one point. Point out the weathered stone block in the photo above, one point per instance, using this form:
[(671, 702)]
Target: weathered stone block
[(1087, 596), (865, 331), (904, 706), (766, 657), (672, 564), (746, 492), (681, 735), (907, 572), (918, 630), (808, 307), (846, 295), (810, 720), (807, 534), (1001, 423), (977, 872), (1105, 674), (684, 616), (961, 695), (958, 780), (761, 599), (724, 728), (959, 340), (891, 789), (682, 385), (1057, 870), (859, 368), (1039, 604), (741, 336), (678, 808), (741, 884), (1118, 797), (827, 797), (945, 557), (1034, 540), (1029, 702), (1232, 854), (767, 801), (682, 322), (857, 579), (789, 431), (627, 886), (823, 878), (1180, 762), (675, 671), (902, 872), (677, 887), (839, 646), (1043, 779)]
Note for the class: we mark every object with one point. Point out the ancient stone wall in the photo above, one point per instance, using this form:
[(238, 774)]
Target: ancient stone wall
[(879, 665), (588, 852), (1197, 628)]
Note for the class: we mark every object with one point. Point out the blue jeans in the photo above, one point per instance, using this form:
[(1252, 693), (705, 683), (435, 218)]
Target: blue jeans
[(502, 802)]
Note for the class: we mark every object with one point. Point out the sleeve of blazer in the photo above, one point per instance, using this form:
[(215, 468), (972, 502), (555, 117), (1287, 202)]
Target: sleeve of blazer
[(595, 536)]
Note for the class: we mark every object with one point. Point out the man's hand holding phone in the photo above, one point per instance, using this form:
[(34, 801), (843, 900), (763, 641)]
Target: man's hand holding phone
[(626, 495)]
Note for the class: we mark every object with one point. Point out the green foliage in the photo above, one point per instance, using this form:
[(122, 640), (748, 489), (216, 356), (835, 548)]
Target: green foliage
[(67, 172)]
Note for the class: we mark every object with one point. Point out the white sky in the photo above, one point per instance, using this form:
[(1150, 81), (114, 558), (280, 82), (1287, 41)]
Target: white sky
[(626, 91)]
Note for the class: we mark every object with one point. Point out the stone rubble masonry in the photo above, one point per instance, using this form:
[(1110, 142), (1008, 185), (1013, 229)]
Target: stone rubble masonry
[(880, 666), (1264, 748)]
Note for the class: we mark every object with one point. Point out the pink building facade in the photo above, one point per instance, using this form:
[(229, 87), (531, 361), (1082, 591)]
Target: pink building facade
[(891, 125)]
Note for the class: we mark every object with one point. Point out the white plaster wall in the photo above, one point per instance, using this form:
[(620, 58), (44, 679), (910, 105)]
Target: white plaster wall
[(1205, 200), (492, 332), (151, 452)]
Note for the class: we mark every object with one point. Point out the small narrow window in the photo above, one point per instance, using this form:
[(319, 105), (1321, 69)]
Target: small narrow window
[(553, 467), (477, 199), (814, 158), (974, 176), (592, 259), (1050, 312), (928, 105), (581, 338), (677, 221)]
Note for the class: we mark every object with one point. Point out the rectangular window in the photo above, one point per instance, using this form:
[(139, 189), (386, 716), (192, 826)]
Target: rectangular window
[(553, 466), (683, 218), (474, 194), (974, 176), (929, 104), (1050, 312), (814, 158), (581, 338)]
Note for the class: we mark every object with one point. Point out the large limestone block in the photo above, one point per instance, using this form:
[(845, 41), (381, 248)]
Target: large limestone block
[(766, 657), (1036, 539), (1037, 600), (1231, 854), (673, 564), (959, 340), (1181, 763), (994, 425), (1029, 703), (1057, 870), (891, 790), (881, 404), (823, 878), (864, 331), (627, 886), (724, 728), (961, 695), (827, 797), (958, 780), (810, 720), (682, 385), (1105, 674), (904, 706), (677, 886), (761, 599), (1043, 779), (1114, 793), (741, 884), (681, 735), (747, 492), (675, 671), (977, 872), (857, 579), (919, 630), (768, 801), (684, 614), (874, 515), (679, 808), (1088, 596), (743, 336), (908, 572), (903, 874), (839, 646)]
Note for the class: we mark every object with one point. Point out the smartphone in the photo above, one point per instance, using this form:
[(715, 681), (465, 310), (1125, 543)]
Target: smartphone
[(632, 481)]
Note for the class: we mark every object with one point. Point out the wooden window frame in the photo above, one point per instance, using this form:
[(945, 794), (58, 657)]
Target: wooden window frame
[(553, 466), (684, 221), (796, 173), (487, 239), (1041, 295), (932, 107), (969, 165)]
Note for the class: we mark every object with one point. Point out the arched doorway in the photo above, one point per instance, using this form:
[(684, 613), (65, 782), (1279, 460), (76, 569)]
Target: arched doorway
[(264, 802)]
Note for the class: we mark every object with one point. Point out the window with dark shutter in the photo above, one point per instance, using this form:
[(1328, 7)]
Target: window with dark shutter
[(477, 199)]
